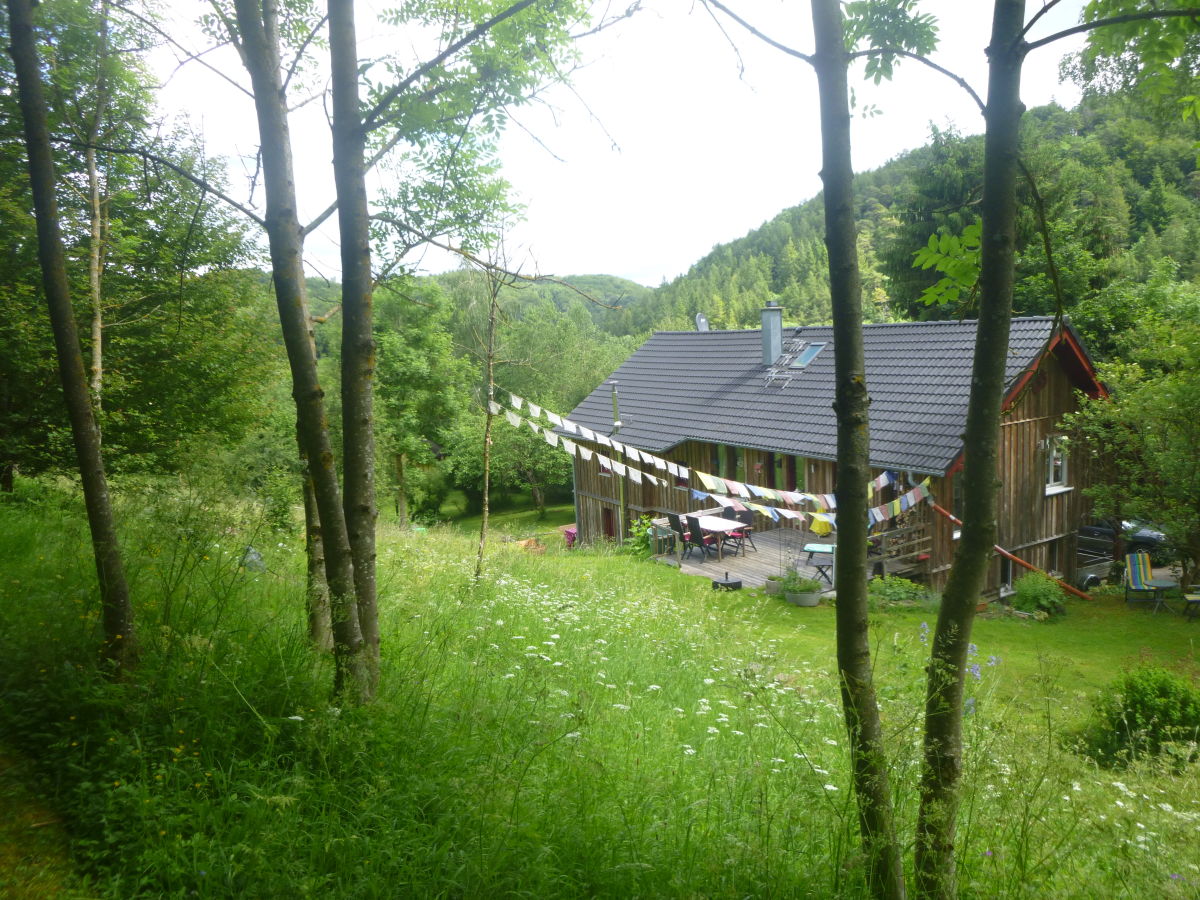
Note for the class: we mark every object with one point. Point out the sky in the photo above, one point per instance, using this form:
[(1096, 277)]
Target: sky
[(679, 131)]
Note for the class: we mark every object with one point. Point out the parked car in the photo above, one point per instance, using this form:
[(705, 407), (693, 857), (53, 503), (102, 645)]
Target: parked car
[(1096, 539)]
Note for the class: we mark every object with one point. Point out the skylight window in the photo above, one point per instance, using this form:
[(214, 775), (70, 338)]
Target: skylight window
[(807, 355)]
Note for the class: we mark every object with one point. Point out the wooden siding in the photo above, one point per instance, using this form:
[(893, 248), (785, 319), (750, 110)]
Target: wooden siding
[(1037, 526)]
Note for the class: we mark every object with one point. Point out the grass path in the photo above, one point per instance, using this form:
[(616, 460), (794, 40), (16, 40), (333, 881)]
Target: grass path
[(34, 857)]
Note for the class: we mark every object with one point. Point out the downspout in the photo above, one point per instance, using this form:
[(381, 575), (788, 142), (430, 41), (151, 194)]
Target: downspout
[(620, 479), (1070, 589)]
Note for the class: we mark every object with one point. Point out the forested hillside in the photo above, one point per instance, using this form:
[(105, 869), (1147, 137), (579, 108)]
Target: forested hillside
[(1116, 180)]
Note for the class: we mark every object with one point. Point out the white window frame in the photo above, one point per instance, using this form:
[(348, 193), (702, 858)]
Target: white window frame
[(1058, 472)]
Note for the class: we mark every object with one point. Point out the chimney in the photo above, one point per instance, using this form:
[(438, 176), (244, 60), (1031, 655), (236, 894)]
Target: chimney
[(772, 333)]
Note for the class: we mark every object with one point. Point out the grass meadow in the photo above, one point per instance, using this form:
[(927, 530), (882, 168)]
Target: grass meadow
[(580, 724)]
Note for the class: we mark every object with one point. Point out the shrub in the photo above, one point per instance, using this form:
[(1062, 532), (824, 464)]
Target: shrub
[(1037, 593), (1147, 711), (640, 541), (794, 583), (892, 590)]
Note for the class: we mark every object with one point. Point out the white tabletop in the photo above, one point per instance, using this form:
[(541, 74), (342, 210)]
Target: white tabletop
[(718, 523)]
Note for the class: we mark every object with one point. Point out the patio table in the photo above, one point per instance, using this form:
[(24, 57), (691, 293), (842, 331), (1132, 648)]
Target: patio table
[(718, 524), (824, 569), (1160, 586)]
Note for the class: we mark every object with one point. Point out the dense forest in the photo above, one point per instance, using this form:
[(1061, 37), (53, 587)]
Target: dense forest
[(1115, 182)]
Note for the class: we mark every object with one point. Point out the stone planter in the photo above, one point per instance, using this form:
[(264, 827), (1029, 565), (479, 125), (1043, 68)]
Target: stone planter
[(805, 599), (772, 586)]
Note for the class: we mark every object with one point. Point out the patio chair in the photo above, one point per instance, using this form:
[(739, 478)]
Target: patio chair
[(746, 517), (696, 539), (1137, 574), (677, 527), (1191, 602), (734, 539)]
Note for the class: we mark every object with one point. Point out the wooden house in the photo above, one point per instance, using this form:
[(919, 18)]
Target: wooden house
[(756, 406)]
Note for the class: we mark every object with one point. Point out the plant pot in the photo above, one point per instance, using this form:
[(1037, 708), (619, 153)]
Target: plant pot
[(772, 586), (803, 599)]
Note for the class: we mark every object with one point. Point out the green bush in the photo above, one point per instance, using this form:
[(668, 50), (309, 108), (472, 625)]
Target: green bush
[(640, 541), (795, 583), (1038, 594), (892, 590), (1147, 711)]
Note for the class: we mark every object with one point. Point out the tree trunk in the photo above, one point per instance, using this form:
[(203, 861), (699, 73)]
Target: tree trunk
[(942, 767), (94, 213), (885, 873), (320, 625), (358, 343), (400, 461), (7, 472), (490, 375), (257, 25), (117, 612), (96, 219)]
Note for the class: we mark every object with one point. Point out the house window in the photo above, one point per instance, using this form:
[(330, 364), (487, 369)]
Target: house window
[(733, 462), (1052, 556), (1056, 465), (715, 460), (605, 471), (807, 355), (769, 464)]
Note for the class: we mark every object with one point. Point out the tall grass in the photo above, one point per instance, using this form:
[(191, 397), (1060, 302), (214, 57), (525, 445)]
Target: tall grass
[(574, 725)]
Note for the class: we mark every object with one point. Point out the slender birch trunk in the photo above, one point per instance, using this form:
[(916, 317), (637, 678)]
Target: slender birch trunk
[(320, 624), (869, 761), (258, 45), (117, 612), (358, 342), (400, 470), (490, 380), (97, 236), (96, 218), (942, 765)]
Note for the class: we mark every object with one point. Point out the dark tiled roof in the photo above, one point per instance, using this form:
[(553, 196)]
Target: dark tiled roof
[(711, 386)]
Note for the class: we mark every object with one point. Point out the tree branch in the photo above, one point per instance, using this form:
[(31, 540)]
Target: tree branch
[(1046, 7), (188, 55), (758, 34), (606, 23), (1189, 13), (908, 54), (1039, 206), (179, 170), (371, 120), (308, 39), (493, 268)]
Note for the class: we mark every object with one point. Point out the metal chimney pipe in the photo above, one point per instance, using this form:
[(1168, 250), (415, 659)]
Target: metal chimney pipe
[(772, 333)]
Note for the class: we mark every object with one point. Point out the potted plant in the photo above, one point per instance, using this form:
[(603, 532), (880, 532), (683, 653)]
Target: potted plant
[(800, 590), (773, 583)]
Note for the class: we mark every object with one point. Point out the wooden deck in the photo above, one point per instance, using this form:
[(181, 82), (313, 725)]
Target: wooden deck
[(778, 550)]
